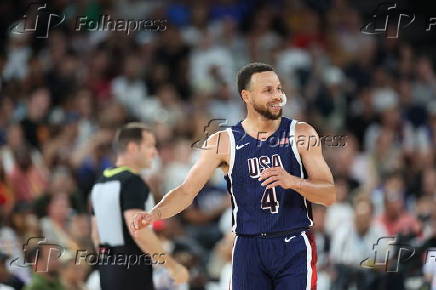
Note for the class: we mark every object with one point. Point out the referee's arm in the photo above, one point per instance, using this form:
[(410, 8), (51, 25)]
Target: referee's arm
[(94, 232), (133, 197), (147, 240)]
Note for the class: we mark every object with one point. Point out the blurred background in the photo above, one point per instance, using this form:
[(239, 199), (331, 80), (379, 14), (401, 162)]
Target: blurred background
[(62, 98)]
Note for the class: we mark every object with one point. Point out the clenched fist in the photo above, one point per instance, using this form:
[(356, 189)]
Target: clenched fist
[(141, 220)]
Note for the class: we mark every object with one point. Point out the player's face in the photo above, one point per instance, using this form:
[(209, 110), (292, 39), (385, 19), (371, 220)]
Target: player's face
[(265, 94), (147, 150)]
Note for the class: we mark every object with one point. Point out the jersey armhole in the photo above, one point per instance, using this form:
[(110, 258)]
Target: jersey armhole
[(231, 151)]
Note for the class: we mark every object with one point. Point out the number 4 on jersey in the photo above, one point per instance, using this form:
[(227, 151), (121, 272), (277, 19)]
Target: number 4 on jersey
[(269, 200)]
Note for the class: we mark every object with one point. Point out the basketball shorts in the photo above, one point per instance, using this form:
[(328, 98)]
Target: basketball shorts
[(279, 263)]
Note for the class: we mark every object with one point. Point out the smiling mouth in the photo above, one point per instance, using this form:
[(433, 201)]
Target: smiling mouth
[(275, 106)]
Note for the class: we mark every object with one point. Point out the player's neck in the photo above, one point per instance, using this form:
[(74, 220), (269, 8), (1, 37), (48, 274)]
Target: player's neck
[(123, 161), (260, 126)]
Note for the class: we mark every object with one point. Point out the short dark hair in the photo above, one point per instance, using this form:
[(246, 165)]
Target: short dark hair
[(244, 75), (131, 132)]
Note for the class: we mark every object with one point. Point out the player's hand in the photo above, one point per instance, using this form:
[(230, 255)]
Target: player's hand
[(277, 176), (141, 220), (179, 273)]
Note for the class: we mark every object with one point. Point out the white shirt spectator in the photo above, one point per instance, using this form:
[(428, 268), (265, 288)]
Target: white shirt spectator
[(337, 216), (202, 60), (130, 93), (351, 249), (291, 60), (429, 269), (230, 110), (93, 282), (226, 276), (10, 245)]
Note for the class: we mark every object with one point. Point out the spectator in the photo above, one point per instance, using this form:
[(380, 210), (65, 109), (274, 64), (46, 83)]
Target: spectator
[(129, 89), (73, 275), (26, 179), (55, 225), (352, 244), (395, 219), (45, 269), (11, 249), (323, 244), (203, 216), (341, 212), (15, 139), (429, 267), (35, 127), (61, 97), (6, 277), (211, 65)]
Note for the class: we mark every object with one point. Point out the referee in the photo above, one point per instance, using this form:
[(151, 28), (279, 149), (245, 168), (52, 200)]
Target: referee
[(117, 196)]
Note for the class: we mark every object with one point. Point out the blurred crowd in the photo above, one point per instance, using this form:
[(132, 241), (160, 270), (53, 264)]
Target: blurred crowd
[(63, 97)]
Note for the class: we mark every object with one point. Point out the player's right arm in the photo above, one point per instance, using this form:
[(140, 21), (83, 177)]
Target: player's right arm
[(176, 200)]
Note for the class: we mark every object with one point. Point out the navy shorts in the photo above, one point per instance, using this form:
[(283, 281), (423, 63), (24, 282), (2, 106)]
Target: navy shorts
[(279, 263)]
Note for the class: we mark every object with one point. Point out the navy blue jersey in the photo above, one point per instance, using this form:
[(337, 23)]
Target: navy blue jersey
[(255, 209)]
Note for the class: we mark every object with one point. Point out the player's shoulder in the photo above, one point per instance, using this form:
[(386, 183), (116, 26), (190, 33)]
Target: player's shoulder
[(218, 138), (304, 128), (217, 145)]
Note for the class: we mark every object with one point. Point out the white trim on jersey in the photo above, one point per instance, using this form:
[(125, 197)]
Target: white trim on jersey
[(108, 212), (308, 261), (293, 140), (233, 252), (229, 174)]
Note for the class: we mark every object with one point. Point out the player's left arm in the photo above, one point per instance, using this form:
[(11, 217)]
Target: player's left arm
[(319, 186)]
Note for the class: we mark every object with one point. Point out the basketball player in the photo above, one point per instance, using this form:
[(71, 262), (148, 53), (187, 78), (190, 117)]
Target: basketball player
[(116, 197), (274, 171)]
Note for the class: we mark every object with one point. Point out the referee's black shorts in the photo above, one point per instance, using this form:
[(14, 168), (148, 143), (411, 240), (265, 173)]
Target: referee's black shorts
[(124, 268)]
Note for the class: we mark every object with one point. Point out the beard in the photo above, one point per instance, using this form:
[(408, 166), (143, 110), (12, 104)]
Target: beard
[(263, 111)]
